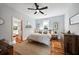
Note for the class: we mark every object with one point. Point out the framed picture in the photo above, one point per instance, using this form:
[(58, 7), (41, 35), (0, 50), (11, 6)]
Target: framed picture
[(55, 25), (74, 19)]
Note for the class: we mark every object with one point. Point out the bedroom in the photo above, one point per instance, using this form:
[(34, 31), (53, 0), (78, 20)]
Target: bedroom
[(36, 30)]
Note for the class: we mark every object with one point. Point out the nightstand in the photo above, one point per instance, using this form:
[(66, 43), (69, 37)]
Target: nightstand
[(56, 47), (54, 37)]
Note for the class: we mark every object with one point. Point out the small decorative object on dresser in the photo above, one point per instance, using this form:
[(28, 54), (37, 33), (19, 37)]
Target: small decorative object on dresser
[(69, 32)]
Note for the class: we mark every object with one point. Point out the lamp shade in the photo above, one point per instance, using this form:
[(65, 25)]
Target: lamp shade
[(28, 26)]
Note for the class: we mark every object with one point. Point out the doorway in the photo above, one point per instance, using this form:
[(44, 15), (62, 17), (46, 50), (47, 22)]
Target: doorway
[(16, 30)]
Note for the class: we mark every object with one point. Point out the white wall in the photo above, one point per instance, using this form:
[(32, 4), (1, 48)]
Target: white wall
[(59, 19), (7, 13), (74, 9)]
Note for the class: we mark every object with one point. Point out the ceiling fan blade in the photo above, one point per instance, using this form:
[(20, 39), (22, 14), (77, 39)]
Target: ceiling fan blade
[(43, 8), (35, 12), (41, 12), (36, 5), (31, 9)]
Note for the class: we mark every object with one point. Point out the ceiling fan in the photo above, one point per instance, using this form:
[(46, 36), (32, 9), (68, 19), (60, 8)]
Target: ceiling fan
[(38, 9)]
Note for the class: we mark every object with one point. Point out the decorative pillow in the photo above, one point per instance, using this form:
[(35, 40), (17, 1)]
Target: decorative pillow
[(40, 32), (44, 32)]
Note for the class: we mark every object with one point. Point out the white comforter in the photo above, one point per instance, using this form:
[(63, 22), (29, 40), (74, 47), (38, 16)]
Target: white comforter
[(42, 38)]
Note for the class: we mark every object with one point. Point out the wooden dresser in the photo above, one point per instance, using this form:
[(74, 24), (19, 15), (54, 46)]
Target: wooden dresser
[(71, 44)]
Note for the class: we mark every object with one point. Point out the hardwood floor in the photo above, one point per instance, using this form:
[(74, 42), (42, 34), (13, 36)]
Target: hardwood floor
[(57, 48), (31, 48), (34, 48)]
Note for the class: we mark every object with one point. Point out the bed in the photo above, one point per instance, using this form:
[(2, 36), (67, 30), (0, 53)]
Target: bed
[(42, 38)]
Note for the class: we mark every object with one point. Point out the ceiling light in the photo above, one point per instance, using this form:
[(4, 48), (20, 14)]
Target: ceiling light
[(37, 11)]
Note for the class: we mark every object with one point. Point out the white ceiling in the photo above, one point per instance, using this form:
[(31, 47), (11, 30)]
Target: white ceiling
[(54, 9)]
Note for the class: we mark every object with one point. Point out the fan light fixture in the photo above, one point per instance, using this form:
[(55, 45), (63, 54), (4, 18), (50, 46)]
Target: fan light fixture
[(37, 9)]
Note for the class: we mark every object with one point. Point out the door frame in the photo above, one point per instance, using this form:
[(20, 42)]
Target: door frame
[(12, 28)]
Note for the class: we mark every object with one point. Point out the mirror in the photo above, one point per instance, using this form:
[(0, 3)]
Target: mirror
[(74, 19)]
